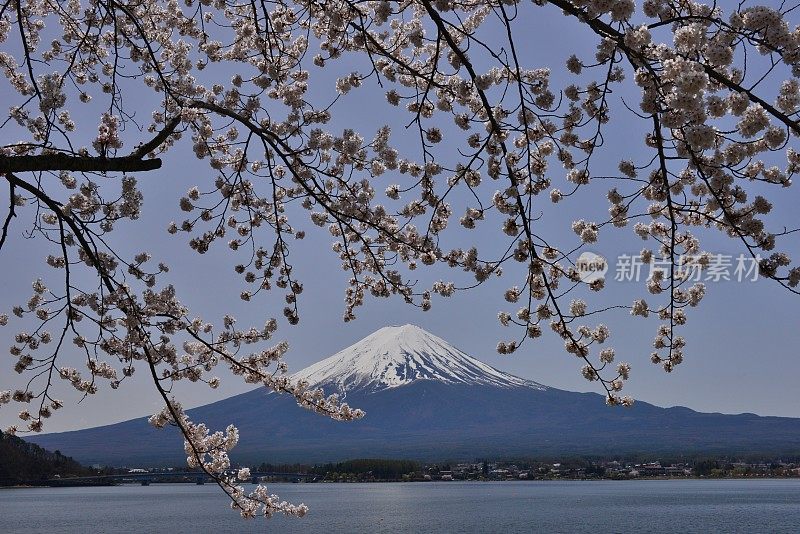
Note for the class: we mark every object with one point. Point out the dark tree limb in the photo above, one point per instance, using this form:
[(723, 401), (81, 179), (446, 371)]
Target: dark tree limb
[(64, 162), (11, 214), (134, 162)]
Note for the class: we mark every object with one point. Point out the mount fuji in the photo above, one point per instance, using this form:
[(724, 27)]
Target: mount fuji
[(396, 356), (427, 400)]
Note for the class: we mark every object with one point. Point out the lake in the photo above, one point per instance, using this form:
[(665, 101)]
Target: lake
[(574, 506)]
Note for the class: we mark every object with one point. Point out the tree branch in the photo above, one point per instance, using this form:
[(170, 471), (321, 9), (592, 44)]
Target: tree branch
[(134, 162), (11, 214)]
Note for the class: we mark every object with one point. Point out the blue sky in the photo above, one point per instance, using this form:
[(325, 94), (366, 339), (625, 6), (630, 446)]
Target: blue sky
[(743, 340)]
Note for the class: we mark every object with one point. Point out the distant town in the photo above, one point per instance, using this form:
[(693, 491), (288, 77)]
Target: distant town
[(613, 469)]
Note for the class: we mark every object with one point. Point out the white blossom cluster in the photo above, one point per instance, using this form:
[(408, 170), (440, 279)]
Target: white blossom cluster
[(210, 451)]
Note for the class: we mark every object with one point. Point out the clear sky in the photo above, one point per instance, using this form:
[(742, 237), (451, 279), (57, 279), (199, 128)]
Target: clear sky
[(742, 353)]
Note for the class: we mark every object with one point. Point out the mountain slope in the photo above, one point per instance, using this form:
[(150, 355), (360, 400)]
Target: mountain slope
[(427, 400)]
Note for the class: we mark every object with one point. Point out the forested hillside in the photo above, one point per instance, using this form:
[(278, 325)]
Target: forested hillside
[(26, 463)]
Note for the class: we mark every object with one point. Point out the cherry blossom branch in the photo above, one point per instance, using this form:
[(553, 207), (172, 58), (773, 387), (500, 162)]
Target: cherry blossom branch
[(11, 214), (134, 162)]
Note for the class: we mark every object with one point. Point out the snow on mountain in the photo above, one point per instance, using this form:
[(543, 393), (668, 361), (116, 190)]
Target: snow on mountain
[(398, 355)]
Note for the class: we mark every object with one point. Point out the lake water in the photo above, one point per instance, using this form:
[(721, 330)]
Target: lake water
[(601, 506)]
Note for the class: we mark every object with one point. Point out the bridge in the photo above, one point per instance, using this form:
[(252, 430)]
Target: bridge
[(171, 476)]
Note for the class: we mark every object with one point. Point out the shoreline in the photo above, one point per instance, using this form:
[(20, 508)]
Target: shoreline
[(637, 479)]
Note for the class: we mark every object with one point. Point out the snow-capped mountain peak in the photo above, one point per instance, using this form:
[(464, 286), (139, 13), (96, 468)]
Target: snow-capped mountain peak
[(398, 355)]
